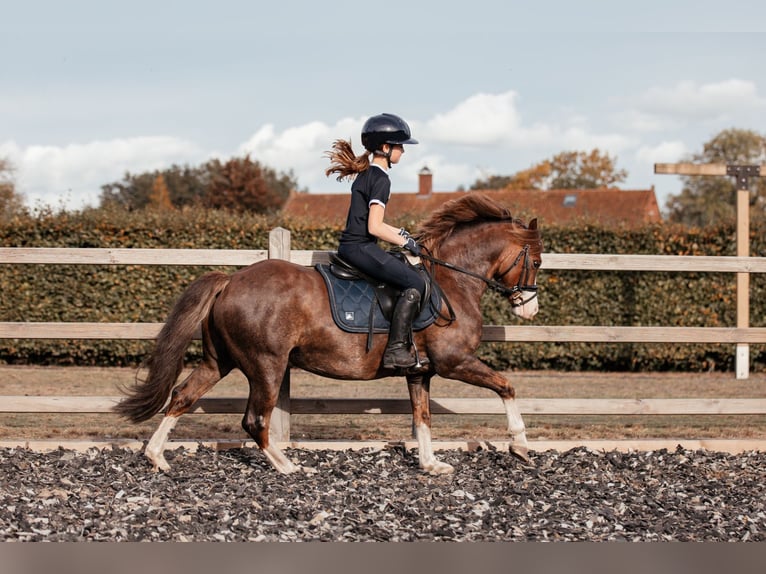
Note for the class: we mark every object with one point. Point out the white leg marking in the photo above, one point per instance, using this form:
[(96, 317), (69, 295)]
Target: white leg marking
[(156, 447), (516, 430), (279, 461), (428, 461)]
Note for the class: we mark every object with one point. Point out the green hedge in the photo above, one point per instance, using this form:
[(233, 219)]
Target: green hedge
[(132, 293)]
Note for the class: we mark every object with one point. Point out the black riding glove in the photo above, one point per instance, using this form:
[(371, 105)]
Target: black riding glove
[(404, 233), (412, 246)]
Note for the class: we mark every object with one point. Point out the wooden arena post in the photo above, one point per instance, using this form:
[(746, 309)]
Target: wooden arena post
[(279, 248), (742, 173)]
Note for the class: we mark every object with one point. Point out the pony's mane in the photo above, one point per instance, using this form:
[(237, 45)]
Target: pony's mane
[(468, 209)]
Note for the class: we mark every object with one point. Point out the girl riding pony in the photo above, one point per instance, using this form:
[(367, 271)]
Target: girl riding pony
[(383, 138)]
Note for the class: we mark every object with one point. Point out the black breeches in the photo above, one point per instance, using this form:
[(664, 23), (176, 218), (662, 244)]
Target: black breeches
[(370, 259)]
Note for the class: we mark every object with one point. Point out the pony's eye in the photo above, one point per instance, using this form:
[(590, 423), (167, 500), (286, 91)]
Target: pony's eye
[(537, 264)]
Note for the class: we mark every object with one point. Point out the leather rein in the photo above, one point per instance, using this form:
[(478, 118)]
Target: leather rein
[(515, 293)]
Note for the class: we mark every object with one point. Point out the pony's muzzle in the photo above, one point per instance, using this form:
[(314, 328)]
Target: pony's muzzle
[(525, 304)]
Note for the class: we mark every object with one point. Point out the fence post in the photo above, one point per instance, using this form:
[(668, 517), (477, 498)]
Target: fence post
[(279, 248), (742, 364), (742, 173)]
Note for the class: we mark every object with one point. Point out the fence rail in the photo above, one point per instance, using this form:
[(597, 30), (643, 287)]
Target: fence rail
[(279, 247)]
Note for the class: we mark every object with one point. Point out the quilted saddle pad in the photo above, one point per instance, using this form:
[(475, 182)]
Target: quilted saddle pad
[(354, 301)]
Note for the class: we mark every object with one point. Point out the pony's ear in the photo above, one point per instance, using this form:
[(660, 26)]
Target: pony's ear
[(533, 224)]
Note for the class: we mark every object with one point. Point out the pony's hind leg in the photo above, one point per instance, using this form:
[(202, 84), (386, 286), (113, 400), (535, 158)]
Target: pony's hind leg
[(420, 398), (183, 397), (264, 392)]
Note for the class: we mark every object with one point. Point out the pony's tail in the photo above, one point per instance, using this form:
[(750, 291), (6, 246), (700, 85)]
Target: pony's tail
[(147, 397)]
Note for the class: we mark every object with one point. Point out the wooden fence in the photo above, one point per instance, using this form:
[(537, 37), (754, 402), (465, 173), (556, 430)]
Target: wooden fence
[(279, 247)]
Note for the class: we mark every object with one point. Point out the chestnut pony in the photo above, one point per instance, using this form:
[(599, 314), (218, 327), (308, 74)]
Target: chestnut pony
[(274, 315)]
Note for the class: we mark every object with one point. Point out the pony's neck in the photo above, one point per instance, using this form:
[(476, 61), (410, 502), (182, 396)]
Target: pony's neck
[(476, 247)]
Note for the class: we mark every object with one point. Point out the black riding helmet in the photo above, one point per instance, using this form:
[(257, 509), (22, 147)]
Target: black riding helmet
[(385, 129)]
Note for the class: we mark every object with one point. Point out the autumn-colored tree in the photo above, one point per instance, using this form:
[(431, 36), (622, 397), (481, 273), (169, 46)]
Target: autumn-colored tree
[(566, 170), (705, 200), (584, 170), (160, 196), (11, 202), (492, 182), (242, 184), (186, 186), (535, 177)]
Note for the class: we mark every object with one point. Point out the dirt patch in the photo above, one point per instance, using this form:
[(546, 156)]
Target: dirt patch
[(57, 381)]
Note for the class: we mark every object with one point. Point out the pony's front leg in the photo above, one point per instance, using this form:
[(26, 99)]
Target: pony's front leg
[(472, 371), (155, 449), (420, 397), (516, 430)]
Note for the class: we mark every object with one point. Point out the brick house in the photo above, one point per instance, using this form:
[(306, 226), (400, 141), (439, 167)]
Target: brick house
[(608, 207)]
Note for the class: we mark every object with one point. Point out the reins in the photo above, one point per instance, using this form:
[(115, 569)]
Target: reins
[(513, 293)]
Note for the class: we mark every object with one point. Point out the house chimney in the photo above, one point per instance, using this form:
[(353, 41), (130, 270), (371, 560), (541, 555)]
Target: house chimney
[(425, 181)]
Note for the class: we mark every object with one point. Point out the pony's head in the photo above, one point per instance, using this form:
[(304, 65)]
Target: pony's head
[(516, 248)]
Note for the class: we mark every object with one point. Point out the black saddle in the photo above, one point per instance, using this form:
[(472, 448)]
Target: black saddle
[(361, 304)]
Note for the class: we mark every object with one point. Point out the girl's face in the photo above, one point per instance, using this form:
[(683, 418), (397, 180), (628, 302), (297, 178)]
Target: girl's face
[(396, 152)]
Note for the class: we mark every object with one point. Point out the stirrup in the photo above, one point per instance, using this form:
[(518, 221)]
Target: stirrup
[(421, 363)]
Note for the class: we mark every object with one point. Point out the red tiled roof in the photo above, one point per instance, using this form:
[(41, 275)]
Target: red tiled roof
[(609, 207)]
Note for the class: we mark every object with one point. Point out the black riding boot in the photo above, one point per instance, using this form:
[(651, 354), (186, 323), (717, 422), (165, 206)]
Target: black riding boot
[(398, 354)]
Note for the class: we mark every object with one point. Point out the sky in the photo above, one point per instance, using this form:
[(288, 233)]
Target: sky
[(90, 90)]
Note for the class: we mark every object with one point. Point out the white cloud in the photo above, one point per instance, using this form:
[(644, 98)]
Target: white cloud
[(481, 120), (642, 122), (701, 101), (301, 148), (580, 138), (72, 175), (483, 135), (665, 152)]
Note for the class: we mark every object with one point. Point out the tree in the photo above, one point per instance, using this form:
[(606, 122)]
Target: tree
[(705, 200), (11, 202), (584, 170), (567, 170), (185, 185), (242, 184), (160, 196)]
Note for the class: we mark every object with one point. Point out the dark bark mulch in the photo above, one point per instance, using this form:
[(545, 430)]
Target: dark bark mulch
[(235, 495)]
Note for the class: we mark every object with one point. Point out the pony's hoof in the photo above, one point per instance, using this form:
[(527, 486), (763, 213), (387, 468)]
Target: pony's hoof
[(160, 465), (439, 467), (521, 452)]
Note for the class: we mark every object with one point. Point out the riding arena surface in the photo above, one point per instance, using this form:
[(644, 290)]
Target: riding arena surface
[(381, 495)]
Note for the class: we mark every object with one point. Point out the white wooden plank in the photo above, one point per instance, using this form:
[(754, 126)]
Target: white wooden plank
[(235, 257), (527, 333), (457, 406), (490, 333), (690, 168), (52, 330), (567, 406), (731, 446), (666, 263), (138, 256)]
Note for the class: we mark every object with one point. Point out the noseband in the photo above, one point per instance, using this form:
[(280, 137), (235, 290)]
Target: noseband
[(515, 293)]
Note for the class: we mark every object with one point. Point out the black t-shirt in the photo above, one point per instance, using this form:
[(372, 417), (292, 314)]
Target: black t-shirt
[(371, 186)]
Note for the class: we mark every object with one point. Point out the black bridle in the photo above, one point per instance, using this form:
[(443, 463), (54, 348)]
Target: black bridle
[(515, 293)]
